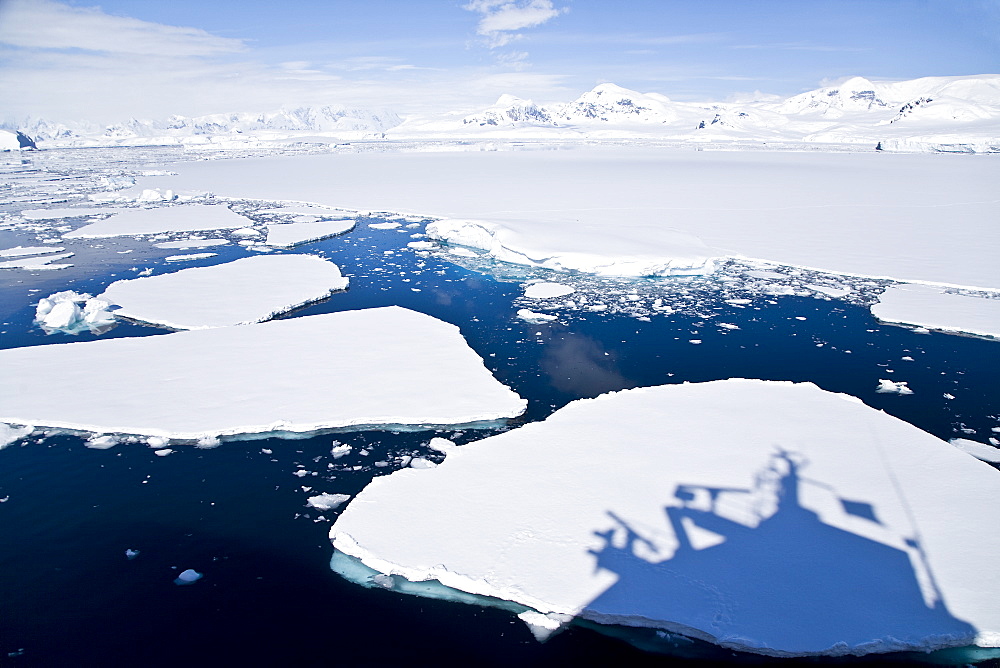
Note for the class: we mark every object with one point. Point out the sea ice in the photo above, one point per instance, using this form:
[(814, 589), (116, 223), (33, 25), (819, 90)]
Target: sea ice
[(190, 576), (982, 451), (933, 308), (9, 433), (533, 317), (886, 386), (287, 235), (23, 251), (385, 226), (721, 510), (375, 367), (327, 501), (547, 290), (628, 210), (189, 257), (192, 243), (37, 263), (71, 313), (52, 214), (251, 289), (177, 218)]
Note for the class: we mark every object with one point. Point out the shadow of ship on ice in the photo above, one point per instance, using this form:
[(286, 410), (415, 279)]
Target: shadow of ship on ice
[(781, 580)]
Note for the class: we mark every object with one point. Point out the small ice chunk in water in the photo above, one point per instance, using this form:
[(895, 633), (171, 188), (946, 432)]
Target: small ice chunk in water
[(339, 449), (131, 554), (421, 463), (190, 576), (327, 501), (442, 445), (62, 312), (533, 317), (890, 387), (101, 442)]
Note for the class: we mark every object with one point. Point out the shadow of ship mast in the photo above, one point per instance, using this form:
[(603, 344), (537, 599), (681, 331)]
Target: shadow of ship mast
[(785, 581)]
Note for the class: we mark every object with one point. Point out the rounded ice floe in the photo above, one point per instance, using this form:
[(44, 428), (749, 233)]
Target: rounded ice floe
[(547, 290), (190, 576), (731, 511), (347, 369), (252, 289)]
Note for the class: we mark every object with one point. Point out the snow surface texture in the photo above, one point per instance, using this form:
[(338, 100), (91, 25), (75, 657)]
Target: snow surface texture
[(252, 289), (294, 234), (637, 211), (71, 313), (383, 366), (932, 308), (679, 507), (187, 218)]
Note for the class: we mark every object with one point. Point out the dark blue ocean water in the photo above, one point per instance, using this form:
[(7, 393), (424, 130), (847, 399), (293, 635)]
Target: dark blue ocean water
[(237, 513)]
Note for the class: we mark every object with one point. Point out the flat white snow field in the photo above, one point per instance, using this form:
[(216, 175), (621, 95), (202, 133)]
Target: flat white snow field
[(187, 218), (635, 210), (383, 366), (930, 307), (292, 234), (248, 290), (728, 510)]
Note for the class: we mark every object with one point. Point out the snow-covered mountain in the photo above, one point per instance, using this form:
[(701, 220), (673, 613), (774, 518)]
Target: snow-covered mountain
[(332, 122), (932, 113)]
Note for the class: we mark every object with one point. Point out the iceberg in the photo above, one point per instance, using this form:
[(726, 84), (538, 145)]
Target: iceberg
[(287, 235), (724, 510), (932, 307), (190, 576), (71, 313), (248, 290), (378, 368), (177, 218)]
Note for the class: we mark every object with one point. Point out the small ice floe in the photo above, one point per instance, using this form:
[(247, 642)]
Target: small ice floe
[(37, 263), (189, 257), (245, 291), (184, 244), (24, 251), (131, 554), (188, 218), (986, 453), (422, 245), (288, 235), (533, 317), (442, 445), (327, 501), (190, 576), (892, 387), (547, 290), (384, 226), (163, 452), (421, 463), (101, 442), (9, 433), (71, 313), (339, 449)]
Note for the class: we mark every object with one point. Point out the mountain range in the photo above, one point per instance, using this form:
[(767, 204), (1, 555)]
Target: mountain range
[(931, 113)]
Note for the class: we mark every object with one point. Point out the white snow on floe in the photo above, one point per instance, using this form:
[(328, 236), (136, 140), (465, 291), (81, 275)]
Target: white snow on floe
[(186, 218), (24, 251), (547, 290), (630, 209), (374, 367), (71, 313), (288, 235), (726, 510), (192, 243), (37, 263), (982, 451), (933, 308), (886, 386), (326, 501), (9, 433), (251, 289), (189, 257), (537, 318)]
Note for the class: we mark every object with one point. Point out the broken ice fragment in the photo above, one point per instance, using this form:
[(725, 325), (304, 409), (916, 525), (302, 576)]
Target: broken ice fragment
[(190, 576), (890, 387)]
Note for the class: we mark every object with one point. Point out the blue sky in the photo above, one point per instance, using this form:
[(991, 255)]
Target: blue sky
[(151, 58)]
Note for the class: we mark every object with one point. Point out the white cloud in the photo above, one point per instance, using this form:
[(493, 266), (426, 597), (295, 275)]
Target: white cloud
[(501, 19), (44, 24)]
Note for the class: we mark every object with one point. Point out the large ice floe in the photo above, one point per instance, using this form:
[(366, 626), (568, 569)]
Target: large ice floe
[(177, 218), (931, 307), (731, 511), (382, 367), (293, 234), (252, 289)]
